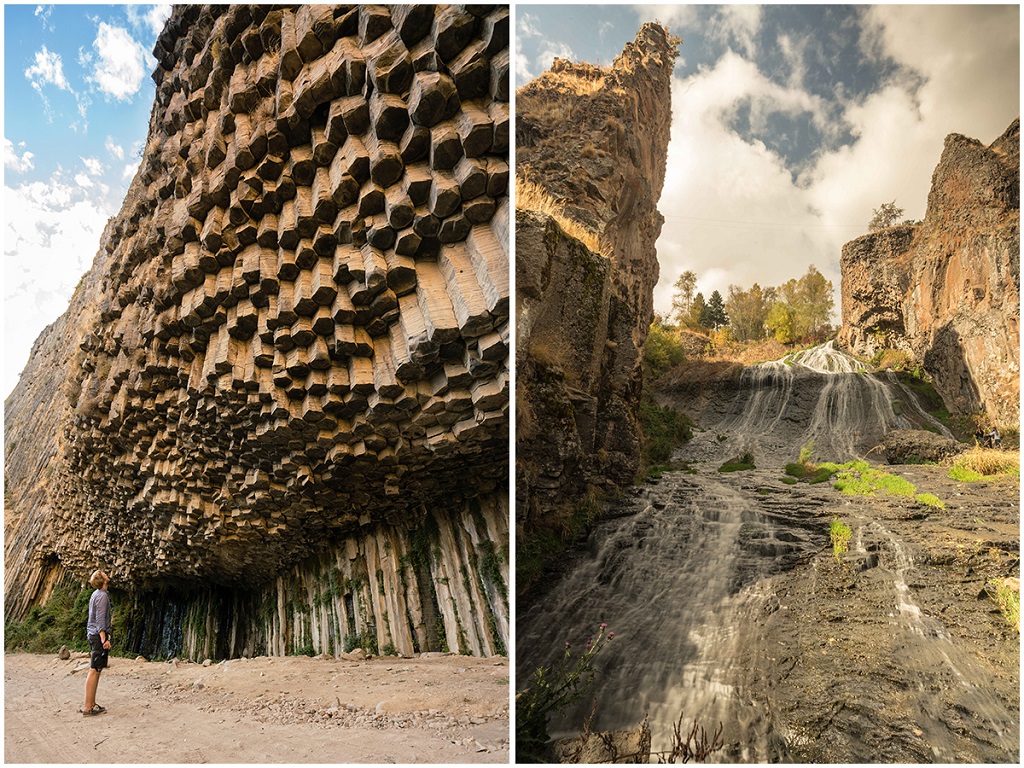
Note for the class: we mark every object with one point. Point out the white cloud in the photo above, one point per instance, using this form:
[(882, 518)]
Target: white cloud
[(51, 232), (44, 12), (528, 25), (550, 52), (93, 166), (83, 180), (120, 66), (128, 172), (523, 73), (733, 212), (17, 164), (115, 149), (149, 19), (738, 24), (47, 70), (675, 17)]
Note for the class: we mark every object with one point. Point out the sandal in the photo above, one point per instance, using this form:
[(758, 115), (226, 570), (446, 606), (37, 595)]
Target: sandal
[(96, 710)]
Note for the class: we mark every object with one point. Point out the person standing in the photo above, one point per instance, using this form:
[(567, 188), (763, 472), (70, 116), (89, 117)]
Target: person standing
[(97, 631)]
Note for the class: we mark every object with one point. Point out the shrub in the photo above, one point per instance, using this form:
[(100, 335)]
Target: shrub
[(47, 627), (738, 463), (840, 534), (663, 429), (1006, 593), (549, 691)]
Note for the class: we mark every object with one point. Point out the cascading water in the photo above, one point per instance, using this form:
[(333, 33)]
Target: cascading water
[(684, 571), (819, 394)]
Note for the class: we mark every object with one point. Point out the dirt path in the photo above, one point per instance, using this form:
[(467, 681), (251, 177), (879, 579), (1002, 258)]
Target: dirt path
[(446, 709)]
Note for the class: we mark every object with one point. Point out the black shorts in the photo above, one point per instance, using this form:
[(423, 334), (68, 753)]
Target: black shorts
[(98, 658)]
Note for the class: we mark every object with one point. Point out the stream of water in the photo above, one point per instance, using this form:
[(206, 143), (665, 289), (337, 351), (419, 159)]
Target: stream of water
[(682, 571)]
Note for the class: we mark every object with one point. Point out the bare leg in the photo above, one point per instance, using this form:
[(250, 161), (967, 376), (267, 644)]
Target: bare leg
[(91, 683)]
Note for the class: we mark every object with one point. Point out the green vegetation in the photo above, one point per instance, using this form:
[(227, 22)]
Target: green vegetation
[(738, 463), (663, 429), (964, 475), (855, 478), (47, 627), (551, 690), (886, 215), (840, 534), (662, 351), (1008, 600)]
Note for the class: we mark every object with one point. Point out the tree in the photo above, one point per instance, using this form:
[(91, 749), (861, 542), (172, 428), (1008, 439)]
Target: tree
[(816, 301), (696, 312), (682, 298), (714, 316), (804, 307), (884, 216), (747, 311), (780, 322)]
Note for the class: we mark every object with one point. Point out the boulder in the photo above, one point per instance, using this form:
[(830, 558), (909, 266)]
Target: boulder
[(914, 446)]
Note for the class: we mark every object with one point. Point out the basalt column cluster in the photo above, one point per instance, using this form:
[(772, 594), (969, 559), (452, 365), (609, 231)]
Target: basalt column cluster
[(289, 371)]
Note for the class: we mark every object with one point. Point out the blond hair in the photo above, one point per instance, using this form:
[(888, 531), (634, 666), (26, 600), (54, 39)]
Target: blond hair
[(97, 578)]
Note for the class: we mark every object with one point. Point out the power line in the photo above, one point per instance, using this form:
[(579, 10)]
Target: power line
[(758, 223)]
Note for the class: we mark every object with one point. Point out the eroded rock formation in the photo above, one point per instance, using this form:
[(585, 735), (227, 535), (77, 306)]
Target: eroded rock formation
[(948, 290), (277, 408), (596, 140)]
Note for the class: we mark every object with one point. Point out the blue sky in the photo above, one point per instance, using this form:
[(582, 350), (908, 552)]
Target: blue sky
[(791, 123), (77, 98)]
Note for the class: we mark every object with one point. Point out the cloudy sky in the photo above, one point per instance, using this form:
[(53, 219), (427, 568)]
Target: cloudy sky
[(77, 97), (791, 123)]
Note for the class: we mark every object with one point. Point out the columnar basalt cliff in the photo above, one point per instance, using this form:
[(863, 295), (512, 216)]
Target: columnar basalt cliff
[(595, 140), (276, 409), (948, 290)]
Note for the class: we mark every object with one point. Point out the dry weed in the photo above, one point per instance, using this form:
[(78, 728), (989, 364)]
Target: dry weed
[(533, 197), (988, 461)]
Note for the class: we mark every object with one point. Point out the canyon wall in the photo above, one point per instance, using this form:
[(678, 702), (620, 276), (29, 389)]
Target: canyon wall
[(948, 290), (276, 410), (595, 140)]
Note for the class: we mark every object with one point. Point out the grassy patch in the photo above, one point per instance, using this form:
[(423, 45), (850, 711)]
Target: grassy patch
[(738, 463), (788, 480), (840, 535), (1008, 600), (931, 500)]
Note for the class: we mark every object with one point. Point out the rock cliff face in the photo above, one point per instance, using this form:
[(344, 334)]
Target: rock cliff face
[(276, 410), (948, 290), (596, 141)]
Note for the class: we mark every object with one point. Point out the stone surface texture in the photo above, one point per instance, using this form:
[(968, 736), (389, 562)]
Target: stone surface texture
[(948, 290), (596, 140), (279, 398)]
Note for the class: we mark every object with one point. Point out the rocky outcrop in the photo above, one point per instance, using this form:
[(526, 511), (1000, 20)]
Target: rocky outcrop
[(595, 139), (276, 410), (948, 290), (916, 446)]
